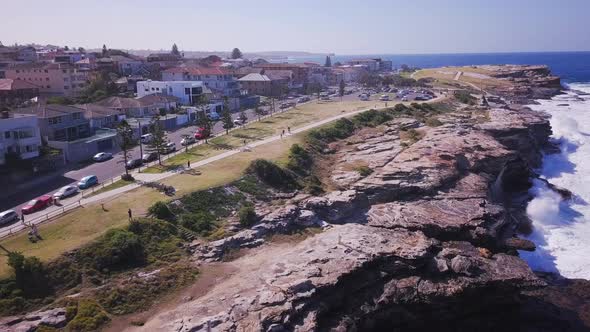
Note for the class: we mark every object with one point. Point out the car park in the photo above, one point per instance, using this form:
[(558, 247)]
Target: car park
[(134, 163), (37, 204), (147, 157), (188, 141), (169, 147), (102, 156), (65, 192), (88, 181), (7, 217)]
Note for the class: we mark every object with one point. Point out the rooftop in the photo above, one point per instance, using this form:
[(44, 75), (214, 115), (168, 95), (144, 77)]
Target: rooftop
[(7, 84), (49, 111), (198, 70)]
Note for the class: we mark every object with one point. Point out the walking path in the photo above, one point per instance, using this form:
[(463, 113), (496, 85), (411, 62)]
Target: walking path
[(150, 177)]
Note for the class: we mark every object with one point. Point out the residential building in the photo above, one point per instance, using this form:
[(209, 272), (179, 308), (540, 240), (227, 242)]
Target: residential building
[(376, 64), (101, 116), (187, 92), (13, 92), (66, 128), (272, 84), (19, 136), (19, 53), (219, 80), (130, 65), (300, 71), (69, 57), (52, 79), (145, 106)]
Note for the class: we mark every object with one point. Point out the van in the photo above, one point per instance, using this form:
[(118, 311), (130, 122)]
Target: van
[(147, 138), (7, 217)]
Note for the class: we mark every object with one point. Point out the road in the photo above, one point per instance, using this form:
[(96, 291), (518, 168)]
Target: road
[(114, 167)]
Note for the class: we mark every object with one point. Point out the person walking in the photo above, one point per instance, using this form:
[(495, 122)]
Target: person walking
[(130, 214), (189, 163), (289, 130)]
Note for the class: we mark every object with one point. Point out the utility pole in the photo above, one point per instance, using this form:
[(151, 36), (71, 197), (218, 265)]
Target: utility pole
[(140, 146)]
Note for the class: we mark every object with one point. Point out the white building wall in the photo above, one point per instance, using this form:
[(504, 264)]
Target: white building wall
[(171, 88), (27, 147)]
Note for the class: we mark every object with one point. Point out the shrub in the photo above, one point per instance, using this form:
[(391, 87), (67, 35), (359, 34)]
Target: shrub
[(313, 186), (127, 177), (118, 248), (161, 211), (247, 216), (371, 118), (338, 130), (250, 185), (273, 175), (89, 317), (433, 122), (29, 275), (464, 97), (201, 222), (364, 170), (300, 160)]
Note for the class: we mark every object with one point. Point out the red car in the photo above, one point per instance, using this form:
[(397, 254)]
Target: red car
[(37, 204), (202, 133)]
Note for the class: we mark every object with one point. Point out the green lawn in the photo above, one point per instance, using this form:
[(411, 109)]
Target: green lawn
[(117, 184)]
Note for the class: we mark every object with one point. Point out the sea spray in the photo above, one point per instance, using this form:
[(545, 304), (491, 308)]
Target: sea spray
[(561, 228)]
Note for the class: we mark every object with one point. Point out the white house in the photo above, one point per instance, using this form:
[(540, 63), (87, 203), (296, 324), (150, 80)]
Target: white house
[(217, 79), (186, 91), (19, 135)]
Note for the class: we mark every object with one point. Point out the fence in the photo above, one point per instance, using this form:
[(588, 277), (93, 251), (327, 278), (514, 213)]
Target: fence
[(9, 231)]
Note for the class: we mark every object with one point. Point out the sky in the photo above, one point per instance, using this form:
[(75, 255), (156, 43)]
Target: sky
[(342, 27)]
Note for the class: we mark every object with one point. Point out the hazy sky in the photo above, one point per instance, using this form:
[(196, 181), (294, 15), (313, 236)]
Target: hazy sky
[(343, 27)]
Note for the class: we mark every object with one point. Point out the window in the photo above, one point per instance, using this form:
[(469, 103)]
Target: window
[(6, 134), (28, 133), (187, 91), (55, 120), (77, 116)]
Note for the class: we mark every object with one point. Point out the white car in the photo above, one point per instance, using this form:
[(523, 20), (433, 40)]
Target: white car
[(8, 216), (188, 141), (238, 122), (147, 138), (384, 98), (66, 191), (102, 156)]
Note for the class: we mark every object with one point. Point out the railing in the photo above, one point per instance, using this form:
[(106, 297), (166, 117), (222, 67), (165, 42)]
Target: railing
[(17, 228)]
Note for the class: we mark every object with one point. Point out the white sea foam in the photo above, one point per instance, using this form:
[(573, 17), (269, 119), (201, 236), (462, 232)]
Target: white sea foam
[(562, 228)]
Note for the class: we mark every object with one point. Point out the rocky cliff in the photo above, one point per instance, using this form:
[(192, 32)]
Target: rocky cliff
[(425, 239)]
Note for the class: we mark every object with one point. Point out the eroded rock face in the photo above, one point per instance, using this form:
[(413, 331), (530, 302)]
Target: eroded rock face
[(53, 318)]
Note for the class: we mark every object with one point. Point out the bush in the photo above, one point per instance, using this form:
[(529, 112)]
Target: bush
[(117, 249), (89, 317), (364, 170), (200, 222), (465, 97), (29, 275), (371, 118), (249, 184), (273, 175), (433, 122), (247, 216), (300, 160), (160, 210), (340, 129), (127, 177)]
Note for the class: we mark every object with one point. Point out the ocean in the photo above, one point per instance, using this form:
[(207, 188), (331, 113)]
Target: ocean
[(561, 228)]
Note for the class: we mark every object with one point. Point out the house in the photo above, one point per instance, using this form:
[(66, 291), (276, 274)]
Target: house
[(102, 117), (128, 65), (219, 80), (265, 85), (188, 92), (19, 136), (66, 128), (52, 79), (146, 106), (19, 53), (300, 71), (16, 91)]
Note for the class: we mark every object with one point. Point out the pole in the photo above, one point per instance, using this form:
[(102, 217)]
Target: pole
[(140, 145)]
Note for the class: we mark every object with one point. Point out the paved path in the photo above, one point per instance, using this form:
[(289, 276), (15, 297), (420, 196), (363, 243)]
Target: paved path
[(458, 75), (150, 177)]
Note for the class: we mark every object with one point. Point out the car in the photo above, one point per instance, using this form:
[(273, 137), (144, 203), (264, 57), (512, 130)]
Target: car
[(188, 141), (169, 147), (405, 99), (102, 156), (64, 192), (147, 138), (326, 98), (147, 157), (213, 116), (364, 97), (238, 122), (303, 99), (88, 181), (37, 204), (287, 105), (202, 133), (8, 216), (133, 163), (384, 98)]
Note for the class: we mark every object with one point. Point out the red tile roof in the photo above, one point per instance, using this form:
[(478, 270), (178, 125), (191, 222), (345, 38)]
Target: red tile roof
[(198, 70), (10, 84)]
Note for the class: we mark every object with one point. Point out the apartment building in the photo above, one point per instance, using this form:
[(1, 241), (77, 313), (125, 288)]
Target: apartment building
[(146, 106), (219, 80), (55, 79), (19, 136), (376, 64), (300, 71), (187, 92)]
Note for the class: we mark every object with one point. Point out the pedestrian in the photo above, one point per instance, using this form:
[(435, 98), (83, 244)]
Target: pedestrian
[(289, 129), (22, 218), (283, 132), (130, 214), (189, 163), (244, 142)]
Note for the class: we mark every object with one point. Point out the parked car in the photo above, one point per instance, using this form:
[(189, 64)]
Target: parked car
[(202, 133), (188, 141), (88, 181), (102, 156), (384, 98), (64, 192), (169, 147), (238, 122), (147, 157), (133, 163), (303, 99), (213, 116), (8, 216), (326, 98), (364, 97), (147, 138), (37, 204)]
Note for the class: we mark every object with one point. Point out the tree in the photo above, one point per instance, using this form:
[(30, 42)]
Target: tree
[(259, 112), (66, 48), (341, 89), (243, 117), (338, 64), (81, 50), (105, 51), (159, 138), (125, 140), (175, 50), (236, 53), (328, 61), (29, 274), (226, 116)]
